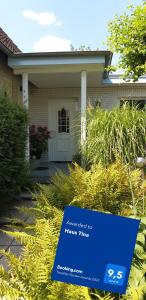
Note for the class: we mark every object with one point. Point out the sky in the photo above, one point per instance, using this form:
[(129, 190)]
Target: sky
[(53, 25)]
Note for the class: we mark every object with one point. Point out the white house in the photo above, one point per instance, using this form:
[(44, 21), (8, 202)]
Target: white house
[(56, 87)]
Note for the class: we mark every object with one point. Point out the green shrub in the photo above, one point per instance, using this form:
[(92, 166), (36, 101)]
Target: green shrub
[(28, 277), (13, 132), (38, 138), (138, 271), (114, 189), (120, 132)]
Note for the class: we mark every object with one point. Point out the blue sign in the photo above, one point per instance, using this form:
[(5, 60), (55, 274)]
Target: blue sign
[(115, 274), (95, 249)]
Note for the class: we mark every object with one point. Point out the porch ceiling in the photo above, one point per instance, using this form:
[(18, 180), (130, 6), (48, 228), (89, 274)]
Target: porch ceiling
[(52, 80), (61, 62)]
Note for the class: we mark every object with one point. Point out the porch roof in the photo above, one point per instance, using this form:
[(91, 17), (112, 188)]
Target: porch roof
[(116, 79), (72, 61)]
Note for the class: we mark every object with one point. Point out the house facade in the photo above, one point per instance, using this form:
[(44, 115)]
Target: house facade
[(8, 81), (56, 88)]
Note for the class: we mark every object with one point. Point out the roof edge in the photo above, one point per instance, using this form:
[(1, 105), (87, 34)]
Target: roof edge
[(8, 43), (64, 53)]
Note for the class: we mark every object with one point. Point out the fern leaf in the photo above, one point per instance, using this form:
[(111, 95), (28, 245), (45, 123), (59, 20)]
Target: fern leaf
[(22, 237)]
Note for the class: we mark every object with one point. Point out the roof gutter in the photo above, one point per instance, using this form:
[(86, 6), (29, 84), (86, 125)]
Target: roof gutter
[(65, 54), (7, 51)]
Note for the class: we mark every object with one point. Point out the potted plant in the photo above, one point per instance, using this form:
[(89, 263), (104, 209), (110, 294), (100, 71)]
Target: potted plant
[(39, 136)]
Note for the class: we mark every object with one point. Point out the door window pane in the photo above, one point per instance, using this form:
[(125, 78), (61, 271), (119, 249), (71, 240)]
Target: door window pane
[(63, 121)]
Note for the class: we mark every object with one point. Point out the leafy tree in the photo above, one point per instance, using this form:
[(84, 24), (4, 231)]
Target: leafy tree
[(82, 47), (128, 38)]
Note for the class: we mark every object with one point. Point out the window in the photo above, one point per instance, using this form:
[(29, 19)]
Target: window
[(139, 104), (63, 121)]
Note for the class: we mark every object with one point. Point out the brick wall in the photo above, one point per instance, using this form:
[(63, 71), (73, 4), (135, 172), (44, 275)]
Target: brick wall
[(8, 81)]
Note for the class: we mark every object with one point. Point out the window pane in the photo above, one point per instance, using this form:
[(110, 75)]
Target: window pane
[(63, 121), (139, 104)]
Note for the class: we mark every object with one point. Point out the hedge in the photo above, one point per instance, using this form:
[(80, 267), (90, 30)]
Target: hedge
[(13, 135)]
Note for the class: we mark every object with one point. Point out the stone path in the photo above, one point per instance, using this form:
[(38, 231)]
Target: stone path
[(42, 175), (7, 242), (46, 170)]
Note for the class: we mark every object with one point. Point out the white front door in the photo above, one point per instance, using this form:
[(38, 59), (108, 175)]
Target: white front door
[(61, 145)]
